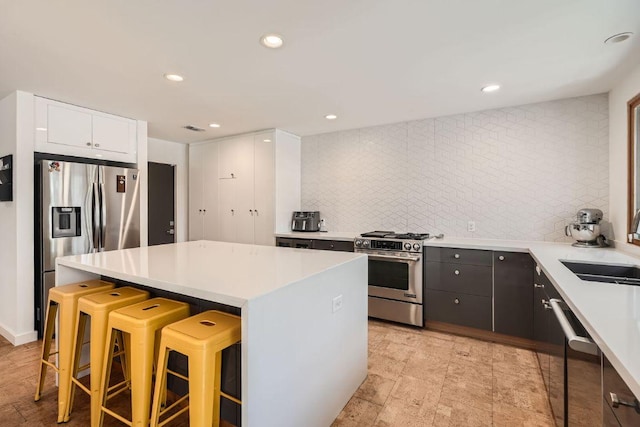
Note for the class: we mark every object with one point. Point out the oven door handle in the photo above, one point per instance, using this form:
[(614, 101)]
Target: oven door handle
[(394, 258), (576, 342)]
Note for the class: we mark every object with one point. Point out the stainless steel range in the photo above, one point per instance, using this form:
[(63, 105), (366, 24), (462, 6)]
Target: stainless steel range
[(395, 275)]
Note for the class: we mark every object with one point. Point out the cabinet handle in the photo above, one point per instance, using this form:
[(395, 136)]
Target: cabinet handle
[(256, 211), (546, 305), (616, 402), (456, 301), (456, 256), (501, 258), (457, 272), (233, 176), (88, 144), (96, 145), (537, 285), (204, 210), (199, 210), (251, 212)]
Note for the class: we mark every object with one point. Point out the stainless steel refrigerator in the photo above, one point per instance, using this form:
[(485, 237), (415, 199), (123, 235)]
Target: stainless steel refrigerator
[(81, 208)]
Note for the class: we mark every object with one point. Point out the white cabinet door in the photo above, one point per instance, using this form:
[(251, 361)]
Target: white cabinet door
[(112, 133), (227, 153), (244, 189), (196, 192), (264, 189), (68, 126), (210, 191), (227, 211)]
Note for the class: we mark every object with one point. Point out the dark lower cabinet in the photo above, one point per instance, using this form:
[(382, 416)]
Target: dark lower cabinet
[(513, 294), (457, 308), (321, 244), (461, 278), (620, 407)]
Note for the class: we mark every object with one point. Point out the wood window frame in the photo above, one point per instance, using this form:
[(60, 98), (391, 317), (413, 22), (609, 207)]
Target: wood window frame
[(631, 161)]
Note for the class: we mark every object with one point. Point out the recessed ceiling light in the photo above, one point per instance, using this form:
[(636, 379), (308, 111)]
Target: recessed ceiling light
[(214, 125), (174, 77), (272, 41), (330, 117), (617, 38), (490, 88)]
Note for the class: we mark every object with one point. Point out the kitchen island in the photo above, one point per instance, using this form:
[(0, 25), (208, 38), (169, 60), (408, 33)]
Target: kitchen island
[(304, 317)]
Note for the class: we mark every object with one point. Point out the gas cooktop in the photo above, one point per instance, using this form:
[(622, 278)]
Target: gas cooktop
[(394, 235)]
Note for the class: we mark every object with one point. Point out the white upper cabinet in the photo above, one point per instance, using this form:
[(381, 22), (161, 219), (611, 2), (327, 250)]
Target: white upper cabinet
[(75, 131)]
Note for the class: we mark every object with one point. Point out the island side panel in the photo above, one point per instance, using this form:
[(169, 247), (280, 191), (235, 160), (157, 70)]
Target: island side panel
[(66, 275), (301, 361)]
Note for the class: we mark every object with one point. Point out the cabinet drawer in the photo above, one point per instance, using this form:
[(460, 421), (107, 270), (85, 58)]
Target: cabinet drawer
[(466, 310), (333, 245), (613, 383), (466, 279), (459, 256)]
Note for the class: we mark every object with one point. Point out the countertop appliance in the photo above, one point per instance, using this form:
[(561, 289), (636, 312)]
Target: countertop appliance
[(80, 208), (586, 229), (395, 275), (305, 221)]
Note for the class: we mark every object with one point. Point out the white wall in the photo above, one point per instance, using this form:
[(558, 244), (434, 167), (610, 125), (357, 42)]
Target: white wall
[(626, 89), (16, 221), (177, 154), (518, 172)]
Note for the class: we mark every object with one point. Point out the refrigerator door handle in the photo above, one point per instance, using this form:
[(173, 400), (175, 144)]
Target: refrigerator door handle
[(103, 216), (95, 217)]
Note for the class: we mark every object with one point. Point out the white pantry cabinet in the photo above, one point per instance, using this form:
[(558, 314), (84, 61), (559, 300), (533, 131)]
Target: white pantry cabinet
[(257, 186), (75, 131), (203, 193)]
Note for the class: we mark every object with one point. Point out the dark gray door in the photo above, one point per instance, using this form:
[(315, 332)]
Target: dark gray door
[(161, 203)]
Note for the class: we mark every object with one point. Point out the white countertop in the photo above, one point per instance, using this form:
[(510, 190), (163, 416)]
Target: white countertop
[(609, 312), (229, 273)]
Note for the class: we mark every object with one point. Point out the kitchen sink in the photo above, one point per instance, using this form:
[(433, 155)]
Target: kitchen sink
[(608, 273)]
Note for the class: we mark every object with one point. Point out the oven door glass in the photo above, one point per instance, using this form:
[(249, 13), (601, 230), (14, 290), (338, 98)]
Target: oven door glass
[(385, 274), (395, 278)]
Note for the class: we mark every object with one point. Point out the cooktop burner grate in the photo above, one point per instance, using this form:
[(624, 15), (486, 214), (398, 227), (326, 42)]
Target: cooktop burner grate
[(393, 235)]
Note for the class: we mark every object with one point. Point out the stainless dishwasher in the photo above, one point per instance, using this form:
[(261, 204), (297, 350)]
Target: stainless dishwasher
[(582, 362)]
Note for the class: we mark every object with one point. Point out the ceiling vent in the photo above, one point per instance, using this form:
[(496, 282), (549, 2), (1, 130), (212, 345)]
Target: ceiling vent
[(193, 128)]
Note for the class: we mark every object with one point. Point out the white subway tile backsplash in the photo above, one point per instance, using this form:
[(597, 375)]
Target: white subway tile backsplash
[(519, 172)]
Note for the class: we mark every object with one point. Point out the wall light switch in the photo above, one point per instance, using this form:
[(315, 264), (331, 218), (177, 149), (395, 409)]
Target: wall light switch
[(337, 303), (471, 226)]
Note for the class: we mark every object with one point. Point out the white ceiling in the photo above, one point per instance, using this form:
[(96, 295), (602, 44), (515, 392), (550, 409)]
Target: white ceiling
[(368, 61)]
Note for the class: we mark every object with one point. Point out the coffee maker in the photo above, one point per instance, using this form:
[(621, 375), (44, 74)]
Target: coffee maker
[(305, 221), (586, 229)]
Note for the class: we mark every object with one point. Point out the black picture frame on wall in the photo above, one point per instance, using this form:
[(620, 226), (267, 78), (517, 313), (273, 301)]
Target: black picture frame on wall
[(6, 178)]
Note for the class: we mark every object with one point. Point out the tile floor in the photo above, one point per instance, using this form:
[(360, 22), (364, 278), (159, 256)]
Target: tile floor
[(416, 378), (425, 378)]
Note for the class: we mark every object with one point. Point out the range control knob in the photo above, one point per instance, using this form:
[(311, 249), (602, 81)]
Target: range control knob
[(358, 243), (407, 246), (365, 243), (416, 246)]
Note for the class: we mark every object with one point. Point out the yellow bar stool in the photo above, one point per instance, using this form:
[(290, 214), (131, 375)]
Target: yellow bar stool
[(140, 323), (97, 308), (201, 338), (63, 299)]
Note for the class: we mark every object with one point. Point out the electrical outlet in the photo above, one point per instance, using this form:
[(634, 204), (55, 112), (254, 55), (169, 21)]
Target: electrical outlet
[(471, 226), (337, 303)]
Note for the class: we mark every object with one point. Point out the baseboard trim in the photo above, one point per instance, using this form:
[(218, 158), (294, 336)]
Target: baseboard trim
[(481, 334), (18, 339)]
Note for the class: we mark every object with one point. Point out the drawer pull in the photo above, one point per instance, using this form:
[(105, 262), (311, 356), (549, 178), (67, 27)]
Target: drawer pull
[(457, 272), (456, 256), (546, 305), (456, 301), (537, 285), (615, 402), (501, 258)]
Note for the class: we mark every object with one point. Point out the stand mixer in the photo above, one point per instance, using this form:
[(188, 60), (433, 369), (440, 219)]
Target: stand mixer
[(586, 229)]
